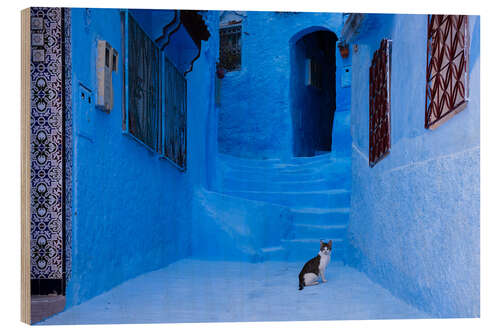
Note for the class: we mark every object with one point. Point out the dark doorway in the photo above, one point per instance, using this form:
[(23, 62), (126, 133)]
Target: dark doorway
[(312, 92)]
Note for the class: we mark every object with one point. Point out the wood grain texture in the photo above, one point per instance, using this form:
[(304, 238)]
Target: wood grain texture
[(25, 166)]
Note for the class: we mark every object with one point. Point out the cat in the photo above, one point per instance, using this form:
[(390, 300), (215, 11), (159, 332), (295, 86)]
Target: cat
[(314, 268)]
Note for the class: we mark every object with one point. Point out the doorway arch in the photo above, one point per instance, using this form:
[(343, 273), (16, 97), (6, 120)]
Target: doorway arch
[(312, 90)]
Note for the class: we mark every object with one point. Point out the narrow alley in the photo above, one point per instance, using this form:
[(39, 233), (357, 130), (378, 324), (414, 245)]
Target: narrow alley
[(187, 163)]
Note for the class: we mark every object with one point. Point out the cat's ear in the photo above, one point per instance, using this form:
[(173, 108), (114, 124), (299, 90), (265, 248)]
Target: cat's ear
[(321, 242), (330, 244)]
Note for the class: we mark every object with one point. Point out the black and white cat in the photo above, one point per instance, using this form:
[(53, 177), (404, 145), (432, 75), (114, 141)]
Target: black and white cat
[(314, 268)]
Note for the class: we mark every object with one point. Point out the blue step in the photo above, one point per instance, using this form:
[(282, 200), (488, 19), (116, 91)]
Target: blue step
[(234, 160), (231, 183), (277, 253), (277, 175), (318, 158), (302, 250), (321, 216), (319, 231), (341, 167), (315, 199), (263, 163), (302, 164)]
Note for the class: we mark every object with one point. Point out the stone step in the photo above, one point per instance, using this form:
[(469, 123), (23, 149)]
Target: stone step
[(276, 253), (232, 158), (301, 250), (336, 166), (317, 158), (335, 176), (343, 163), (264, 163), (235, 184), (315, 199), (277, 176), (321, 216), (312, 231)]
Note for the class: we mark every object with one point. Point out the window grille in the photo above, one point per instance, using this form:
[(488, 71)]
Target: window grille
[(155, 96), (144, 103), (230, 48), (447, 60), (380, 103), (175, 115)]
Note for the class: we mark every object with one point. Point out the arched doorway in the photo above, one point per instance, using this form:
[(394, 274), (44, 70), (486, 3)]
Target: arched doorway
[(312, 91)]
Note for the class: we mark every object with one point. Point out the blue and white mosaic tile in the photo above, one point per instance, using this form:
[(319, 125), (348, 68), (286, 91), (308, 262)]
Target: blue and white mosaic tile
[(49, 96)]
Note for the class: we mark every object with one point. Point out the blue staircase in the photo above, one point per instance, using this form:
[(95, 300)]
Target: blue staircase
[(314, 190)]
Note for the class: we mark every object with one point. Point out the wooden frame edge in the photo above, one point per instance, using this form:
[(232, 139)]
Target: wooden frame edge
[(25, 165)]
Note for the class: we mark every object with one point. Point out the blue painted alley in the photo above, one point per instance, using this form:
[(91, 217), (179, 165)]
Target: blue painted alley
[(211, 154)]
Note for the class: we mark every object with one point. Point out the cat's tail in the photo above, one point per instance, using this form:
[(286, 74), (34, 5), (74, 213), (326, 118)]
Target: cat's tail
[(301, 281)]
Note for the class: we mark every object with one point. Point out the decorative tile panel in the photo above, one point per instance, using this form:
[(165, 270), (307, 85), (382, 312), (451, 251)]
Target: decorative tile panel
[(68, 141), (47, 140)]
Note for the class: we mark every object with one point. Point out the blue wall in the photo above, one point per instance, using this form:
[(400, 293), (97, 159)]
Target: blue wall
[(415, 216), (255, 114), (131, 210)]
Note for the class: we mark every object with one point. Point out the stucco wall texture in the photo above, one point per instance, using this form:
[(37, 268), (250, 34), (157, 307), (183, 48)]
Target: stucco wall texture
[(414, 223), (255, 119), (132, 210)]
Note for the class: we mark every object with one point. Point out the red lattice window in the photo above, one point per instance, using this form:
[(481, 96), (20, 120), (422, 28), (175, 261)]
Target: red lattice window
[(380, 103), (447, 58)]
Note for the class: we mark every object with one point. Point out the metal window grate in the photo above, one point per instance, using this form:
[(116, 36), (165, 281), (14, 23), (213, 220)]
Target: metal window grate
[(175, 89), (230, 48), (155, 96), (447, 58), (380, 103), (144, 103)]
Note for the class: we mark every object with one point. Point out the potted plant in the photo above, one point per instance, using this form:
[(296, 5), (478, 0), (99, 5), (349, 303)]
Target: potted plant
[(344, 49)]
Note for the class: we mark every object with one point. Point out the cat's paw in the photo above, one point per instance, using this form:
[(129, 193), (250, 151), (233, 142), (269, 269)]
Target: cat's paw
[(324, 281)]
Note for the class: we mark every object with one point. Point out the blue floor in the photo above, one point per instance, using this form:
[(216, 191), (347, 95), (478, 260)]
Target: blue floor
[(209, 291), (309, 198)]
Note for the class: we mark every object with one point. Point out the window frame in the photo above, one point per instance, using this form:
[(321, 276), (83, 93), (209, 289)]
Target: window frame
[(126, 93), (374, 103), (430, 91), (159, 150), (239, 26), (164, 119)]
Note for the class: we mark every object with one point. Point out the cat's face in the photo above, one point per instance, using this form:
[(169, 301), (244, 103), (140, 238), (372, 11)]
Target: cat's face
[(326, 248)]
